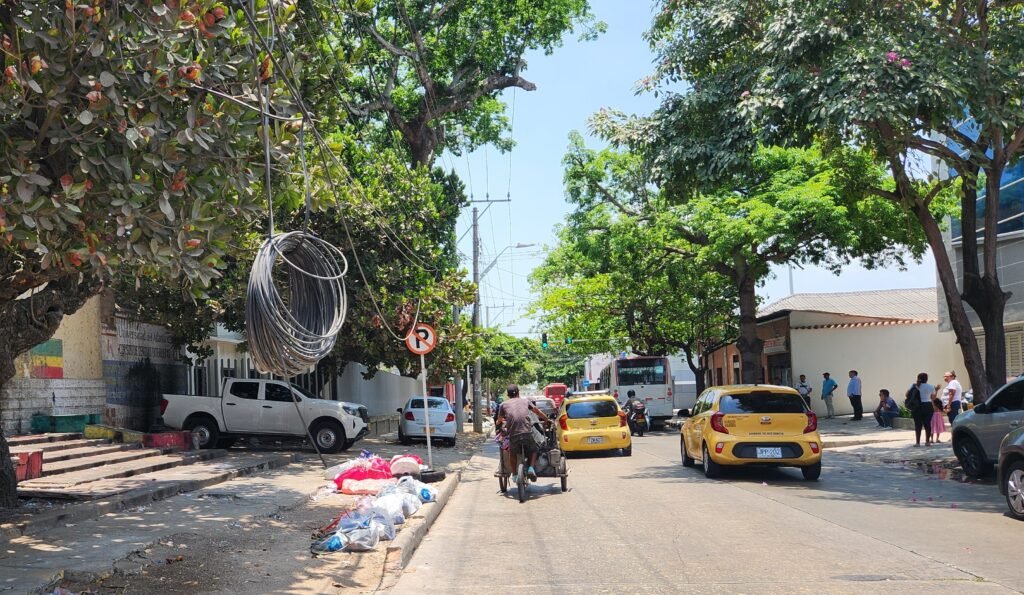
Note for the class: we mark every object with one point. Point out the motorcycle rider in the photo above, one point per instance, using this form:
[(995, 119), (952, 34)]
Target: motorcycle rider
[(514, 414), (629, 406)]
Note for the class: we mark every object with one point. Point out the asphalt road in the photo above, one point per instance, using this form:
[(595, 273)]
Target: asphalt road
[(646, 524)]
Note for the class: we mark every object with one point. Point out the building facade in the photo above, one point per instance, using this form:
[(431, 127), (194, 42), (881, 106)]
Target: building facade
[(887, 336)]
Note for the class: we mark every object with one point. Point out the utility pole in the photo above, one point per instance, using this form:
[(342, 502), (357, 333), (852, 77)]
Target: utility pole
[(478, 418), (460, 413)]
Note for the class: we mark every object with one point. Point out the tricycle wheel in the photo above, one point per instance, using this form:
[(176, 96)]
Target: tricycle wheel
[(503, 483), (563, 471), (521, 482)]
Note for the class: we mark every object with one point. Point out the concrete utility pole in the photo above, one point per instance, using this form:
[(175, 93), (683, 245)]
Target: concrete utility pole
[(478, 419), (460, 413)]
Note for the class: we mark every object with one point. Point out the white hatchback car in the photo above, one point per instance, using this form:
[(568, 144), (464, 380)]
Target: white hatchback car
[(412, 423)]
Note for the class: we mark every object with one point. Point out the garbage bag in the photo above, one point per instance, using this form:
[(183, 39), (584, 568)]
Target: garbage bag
[(419, 489), (405, 466), (353, 520), (380, 520), (410, 504), (362, 540), (334, 542), (365, 486), (372, 468), (337, 470), (393, 505)]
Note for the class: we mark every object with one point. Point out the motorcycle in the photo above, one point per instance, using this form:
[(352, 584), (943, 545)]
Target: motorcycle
[(637, 419)]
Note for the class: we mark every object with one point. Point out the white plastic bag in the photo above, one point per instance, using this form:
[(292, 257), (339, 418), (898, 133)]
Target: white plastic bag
[(393, 505), (404, 466), (424, 492), (337, 470), (410, 504), (382, 523), (362, 540)]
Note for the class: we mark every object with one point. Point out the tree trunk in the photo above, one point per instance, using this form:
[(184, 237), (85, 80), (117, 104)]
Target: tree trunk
[(982, 291), (696, 368), (8, 481), (954, 303), (25, 323), (749, 344)]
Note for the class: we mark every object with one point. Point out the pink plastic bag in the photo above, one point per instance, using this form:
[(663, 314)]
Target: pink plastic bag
[(375, 468)]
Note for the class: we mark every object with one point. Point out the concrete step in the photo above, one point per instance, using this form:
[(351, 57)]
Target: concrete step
[(41, 438), (56, 456), (98, 461), (73, 485), (60, 445), (107, 496)]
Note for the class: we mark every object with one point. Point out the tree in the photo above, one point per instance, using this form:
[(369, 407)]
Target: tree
[(616, 282), (433, 70), (793, 206), (120, 154), (898, 78), (509, 360)]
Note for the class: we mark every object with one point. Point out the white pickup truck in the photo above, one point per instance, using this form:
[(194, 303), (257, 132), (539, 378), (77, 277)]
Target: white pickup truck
[(265, 408)]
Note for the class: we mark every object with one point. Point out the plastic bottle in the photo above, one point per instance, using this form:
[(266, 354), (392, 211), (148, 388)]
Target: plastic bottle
[(332, 543)]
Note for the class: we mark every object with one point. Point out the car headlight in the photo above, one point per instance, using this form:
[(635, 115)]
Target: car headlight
[(353, 411)]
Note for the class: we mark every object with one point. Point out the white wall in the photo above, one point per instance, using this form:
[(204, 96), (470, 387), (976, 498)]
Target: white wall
[(381, 394), (884, 357)]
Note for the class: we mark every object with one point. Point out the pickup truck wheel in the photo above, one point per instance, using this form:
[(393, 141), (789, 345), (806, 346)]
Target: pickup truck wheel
[(329, 436), (204, 429)]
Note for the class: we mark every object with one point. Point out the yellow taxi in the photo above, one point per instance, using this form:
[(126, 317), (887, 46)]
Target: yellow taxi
[(593, 422), (751, 425)]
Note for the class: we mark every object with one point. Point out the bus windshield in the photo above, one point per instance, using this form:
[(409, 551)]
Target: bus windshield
[(641, 371)]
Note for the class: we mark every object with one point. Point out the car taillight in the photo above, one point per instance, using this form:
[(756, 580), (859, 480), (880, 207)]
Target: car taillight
[(814, 447), (812, 422), (563, 422), (408, 416), (163, 406), (716, 423), (449, 417), (622, 419)]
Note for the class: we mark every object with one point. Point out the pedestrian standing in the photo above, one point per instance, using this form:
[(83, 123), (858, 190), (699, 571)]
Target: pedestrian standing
[(938, 418), (954, 393), (828, 389), (805, 390), (919, 402), (853, 392)]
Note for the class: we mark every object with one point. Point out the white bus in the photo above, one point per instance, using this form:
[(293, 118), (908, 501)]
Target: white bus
[(649, 377)]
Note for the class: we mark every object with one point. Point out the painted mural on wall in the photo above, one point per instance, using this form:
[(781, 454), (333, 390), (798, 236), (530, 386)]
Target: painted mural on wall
[(139, 364), (46, 360)]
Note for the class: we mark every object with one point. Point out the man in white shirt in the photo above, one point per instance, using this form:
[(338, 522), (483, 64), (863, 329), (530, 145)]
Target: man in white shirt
[(853, 392), (953, 394), (805, 390)]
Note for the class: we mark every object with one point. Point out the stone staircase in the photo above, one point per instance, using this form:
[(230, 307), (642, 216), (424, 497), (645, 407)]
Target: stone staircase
[(82, 469)]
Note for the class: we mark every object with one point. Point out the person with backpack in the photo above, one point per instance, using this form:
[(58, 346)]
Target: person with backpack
[(919, 402)]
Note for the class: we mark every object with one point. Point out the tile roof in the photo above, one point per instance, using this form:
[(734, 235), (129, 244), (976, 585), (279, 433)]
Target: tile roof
[(908, 305)]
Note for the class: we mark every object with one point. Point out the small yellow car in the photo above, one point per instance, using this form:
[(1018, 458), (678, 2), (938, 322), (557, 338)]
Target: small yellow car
[(593, 422), (751, 425)]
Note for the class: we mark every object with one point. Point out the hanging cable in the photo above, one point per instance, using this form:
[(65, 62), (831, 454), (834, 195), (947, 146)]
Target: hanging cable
[(289, 333)]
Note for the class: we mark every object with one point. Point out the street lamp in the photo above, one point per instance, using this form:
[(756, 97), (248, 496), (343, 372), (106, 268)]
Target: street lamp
[(488, 268)]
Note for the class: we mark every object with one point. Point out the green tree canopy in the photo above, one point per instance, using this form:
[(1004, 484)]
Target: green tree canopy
[(903, 79)]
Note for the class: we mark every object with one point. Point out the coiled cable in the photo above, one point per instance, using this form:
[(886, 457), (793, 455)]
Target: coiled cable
[(289, 334)]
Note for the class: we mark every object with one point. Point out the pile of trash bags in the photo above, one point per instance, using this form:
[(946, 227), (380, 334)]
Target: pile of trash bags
[(396, 495)]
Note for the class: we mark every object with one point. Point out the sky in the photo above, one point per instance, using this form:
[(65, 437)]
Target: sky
[(575, 81)]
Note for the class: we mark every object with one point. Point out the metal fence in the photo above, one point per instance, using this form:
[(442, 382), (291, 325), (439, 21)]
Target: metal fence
[(206, 377)]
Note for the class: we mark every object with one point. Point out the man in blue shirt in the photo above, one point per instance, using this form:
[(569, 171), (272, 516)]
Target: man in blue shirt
[(887, 410), (828, 388), (853, 392)]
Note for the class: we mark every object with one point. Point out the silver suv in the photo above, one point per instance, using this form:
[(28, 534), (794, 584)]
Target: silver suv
[(1011, 472), (978, 432)]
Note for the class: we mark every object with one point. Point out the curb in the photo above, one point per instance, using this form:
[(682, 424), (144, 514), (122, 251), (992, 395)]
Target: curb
[(402, 548), (137, 497)]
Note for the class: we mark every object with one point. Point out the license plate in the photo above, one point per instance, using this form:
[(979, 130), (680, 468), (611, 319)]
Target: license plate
[(595, 440), (769, 453)]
